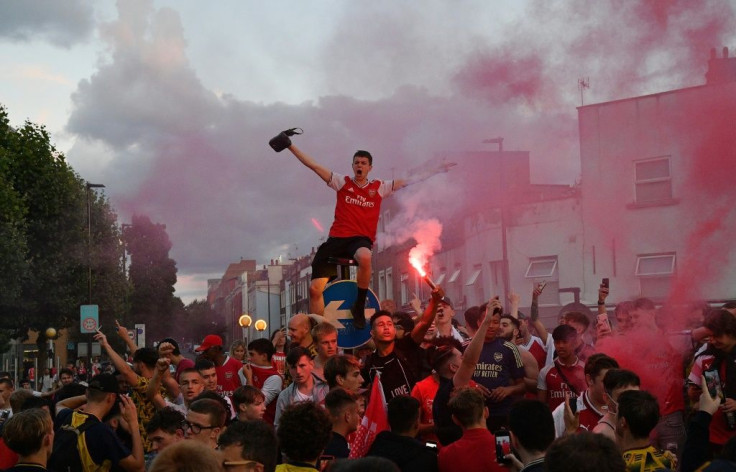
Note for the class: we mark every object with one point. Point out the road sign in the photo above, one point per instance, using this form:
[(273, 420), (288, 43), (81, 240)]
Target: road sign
[(89, 318), (140, 332), (339, 297)]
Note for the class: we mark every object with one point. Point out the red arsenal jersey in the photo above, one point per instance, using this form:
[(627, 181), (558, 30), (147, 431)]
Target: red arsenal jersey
[(357, 208), (227, 376), (536, 349), (552, 382)]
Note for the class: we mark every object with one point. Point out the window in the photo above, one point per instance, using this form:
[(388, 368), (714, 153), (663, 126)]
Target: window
[(655, 272), (441, 278), (655, 265), (455, 275), (541, 267), (382, 285), (496, 271), (474, 276), (389, 284), (545, 268), (475, 282), (653, 180)]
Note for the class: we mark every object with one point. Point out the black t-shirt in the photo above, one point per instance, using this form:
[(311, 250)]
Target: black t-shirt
[(337, 447), (399, 370)]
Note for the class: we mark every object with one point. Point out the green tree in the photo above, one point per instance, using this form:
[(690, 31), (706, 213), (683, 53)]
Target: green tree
[(152, 276), (43, 232), (197, 320)]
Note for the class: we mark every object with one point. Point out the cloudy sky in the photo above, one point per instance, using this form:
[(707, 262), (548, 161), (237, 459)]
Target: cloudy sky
[(171, 104)]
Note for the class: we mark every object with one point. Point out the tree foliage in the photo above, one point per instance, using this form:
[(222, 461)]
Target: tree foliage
[(45, 249), (152, 276)]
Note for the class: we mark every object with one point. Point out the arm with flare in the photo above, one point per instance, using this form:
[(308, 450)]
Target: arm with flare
[(420, 329)]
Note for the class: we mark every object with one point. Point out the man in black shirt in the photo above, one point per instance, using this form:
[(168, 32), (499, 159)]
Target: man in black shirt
[(399, 361), (342, 407)]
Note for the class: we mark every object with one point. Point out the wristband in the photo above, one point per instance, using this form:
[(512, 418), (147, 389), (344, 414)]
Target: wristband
[(600, 303)]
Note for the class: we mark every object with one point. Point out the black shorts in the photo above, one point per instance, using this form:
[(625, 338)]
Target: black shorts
[(336, 247)]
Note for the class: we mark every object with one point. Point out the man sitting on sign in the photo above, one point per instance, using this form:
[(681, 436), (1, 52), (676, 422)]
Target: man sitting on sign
[(353, 230)]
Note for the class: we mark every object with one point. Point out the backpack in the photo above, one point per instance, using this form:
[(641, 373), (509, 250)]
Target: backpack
[(65, 455)]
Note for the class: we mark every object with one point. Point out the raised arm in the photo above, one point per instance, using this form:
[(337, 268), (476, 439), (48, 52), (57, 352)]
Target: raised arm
[(472, 352), (534, 314), (420, 329), (324, 173), (123, 334), (161, 375), (424, 175), (117, 361), (135, 461), (514, 298)]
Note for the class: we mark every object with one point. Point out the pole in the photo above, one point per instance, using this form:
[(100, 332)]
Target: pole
[(89, 237), (504, 247), (89, 246), (89, 255)]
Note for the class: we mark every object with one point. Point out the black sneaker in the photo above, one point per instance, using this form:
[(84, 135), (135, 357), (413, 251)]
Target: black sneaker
[(358, 316)]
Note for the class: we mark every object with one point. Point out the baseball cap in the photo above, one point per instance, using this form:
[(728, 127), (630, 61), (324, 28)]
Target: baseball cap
[(446, 300), (209, 341), (104, 383)]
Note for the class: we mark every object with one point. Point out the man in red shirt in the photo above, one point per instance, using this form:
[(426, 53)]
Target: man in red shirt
[(592, 404), (566, 376), (262, 374), (227, 368), (476, 449), (353, 230)]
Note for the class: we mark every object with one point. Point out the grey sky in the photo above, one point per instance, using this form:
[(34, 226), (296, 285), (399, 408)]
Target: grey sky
[(171, 104)]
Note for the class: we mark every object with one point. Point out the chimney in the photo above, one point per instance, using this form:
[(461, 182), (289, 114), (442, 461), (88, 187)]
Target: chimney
[(720, 69)]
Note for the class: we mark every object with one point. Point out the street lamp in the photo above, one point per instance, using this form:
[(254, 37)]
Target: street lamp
[(245, 321), (261, 326), (89, 236), (504, 249)]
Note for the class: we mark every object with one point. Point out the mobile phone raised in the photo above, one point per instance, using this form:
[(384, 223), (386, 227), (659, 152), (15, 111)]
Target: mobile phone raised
[(503, 446), (713, 381)]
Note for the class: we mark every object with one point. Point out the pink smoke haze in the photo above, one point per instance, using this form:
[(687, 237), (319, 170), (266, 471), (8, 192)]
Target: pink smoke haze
[(197, 159)]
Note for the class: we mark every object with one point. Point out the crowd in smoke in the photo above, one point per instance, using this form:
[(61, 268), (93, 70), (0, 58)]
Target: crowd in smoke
[(424, 391)]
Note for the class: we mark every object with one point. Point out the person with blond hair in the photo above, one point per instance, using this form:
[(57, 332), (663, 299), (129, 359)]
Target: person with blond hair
[(30, 434)]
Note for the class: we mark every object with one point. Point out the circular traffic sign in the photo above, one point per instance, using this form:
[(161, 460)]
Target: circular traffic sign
[(339, 297), (89, 324)]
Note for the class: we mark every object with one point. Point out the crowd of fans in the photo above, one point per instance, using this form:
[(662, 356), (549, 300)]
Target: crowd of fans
[(500, 391)]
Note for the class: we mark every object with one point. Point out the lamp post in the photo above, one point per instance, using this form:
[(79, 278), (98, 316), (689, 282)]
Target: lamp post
[(260, 326), (50, 336), (89, 236), (245, 321), (504, 248), (123, 228)]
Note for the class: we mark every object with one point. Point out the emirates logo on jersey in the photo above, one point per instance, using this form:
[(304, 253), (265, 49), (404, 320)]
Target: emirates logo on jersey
[(497, 356), (371, 193)]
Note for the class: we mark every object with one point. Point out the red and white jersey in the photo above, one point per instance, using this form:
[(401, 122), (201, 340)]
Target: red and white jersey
[(718, 432), (589, 415), (536, 348), (227, 376), (358, 208), (556, 388)]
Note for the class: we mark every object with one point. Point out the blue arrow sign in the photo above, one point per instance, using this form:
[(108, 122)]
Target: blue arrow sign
[(339, 297)]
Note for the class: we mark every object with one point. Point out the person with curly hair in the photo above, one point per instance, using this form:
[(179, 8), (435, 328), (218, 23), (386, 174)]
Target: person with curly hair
[(303, 433)]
